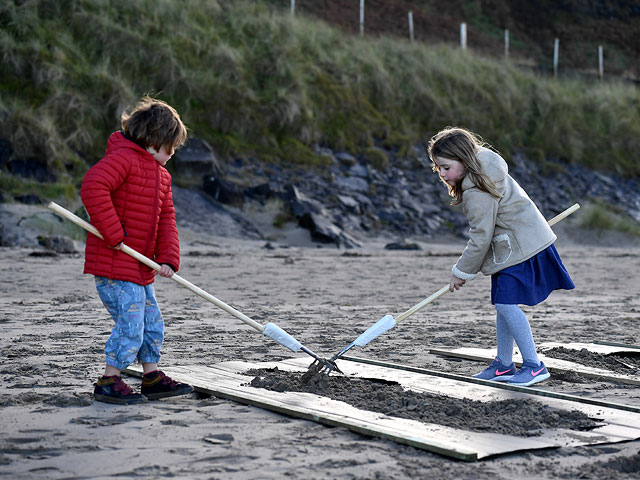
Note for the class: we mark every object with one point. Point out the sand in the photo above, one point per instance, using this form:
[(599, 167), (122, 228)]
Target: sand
[(54, 328)]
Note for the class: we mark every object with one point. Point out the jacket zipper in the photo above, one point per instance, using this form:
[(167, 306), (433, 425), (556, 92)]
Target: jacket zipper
[(155, 212)]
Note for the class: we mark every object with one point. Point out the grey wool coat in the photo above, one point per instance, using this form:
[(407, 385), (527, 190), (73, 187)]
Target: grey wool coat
[(502, 231)]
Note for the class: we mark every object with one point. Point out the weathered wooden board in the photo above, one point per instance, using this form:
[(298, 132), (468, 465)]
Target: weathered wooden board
[(487, 355), (499, 385), (602, 348), (478, 391), (616, 344), (227, 380)]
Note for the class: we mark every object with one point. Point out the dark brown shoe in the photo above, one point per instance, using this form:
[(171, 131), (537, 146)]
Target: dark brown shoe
[(157, 385), (114, 390)]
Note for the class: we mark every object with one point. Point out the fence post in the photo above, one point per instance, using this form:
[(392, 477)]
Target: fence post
[(411, 26), (556, 47), (600, 63), (506, 44), (463, 35), (293, 7), (361, 17)]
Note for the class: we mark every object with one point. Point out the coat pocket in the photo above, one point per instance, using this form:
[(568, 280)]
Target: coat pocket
[(501, 247)]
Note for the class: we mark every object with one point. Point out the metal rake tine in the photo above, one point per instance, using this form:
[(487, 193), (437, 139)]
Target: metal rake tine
[(331, 366)]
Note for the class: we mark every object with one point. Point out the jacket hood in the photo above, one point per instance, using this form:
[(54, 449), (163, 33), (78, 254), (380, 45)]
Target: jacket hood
[(492, 165), (117, 140)]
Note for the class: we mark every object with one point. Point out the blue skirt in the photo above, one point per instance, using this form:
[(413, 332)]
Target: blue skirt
[(531, 282)]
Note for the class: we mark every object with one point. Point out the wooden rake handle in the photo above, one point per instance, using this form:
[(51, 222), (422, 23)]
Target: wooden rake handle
[(445, 289), (150, 263)]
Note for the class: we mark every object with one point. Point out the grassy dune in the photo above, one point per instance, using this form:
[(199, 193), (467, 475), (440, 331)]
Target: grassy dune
[(252, 80)]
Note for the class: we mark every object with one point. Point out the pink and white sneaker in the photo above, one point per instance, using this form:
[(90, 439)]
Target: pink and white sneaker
[(529, 374), (497, 372)]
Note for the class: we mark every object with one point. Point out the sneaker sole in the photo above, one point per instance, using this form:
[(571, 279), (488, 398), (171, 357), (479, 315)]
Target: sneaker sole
[(119, 401), (175, 393), (540, 378), (503, 378)]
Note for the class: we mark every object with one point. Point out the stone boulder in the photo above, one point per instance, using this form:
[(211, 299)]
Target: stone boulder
[(223, 191), (312, 216), (195, 160), (58, 244)]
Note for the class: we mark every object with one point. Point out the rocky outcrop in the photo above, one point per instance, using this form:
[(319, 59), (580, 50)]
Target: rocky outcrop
[(350, 201)]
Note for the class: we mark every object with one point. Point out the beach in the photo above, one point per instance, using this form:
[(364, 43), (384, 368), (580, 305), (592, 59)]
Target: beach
[(54, 328)]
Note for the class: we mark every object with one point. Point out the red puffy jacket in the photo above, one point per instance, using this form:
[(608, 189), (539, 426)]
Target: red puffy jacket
[(128, 197)]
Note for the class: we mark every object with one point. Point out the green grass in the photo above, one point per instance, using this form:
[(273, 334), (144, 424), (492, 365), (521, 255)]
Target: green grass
[(602, 217), (60, 191), (252, 80)]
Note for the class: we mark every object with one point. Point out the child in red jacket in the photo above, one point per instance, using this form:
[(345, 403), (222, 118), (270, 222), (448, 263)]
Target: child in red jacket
[(128, 197)]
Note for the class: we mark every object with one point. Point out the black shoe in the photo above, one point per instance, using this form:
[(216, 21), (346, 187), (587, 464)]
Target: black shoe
[(157, 385), (114, 390)]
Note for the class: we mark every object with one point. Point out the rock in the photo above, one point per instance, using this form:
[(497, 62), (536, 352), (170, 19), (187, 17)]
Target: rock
[(353, 184), (346, 159), (29, 199), (359, 170), (312, 215), (204, 217), (433, 222), (5, 151), (299, 204), (223, 191), (350, 203), (58, 244), (196, 159), (31, 168), (323, 230), (392, 216), (261, 192), (403, 245)]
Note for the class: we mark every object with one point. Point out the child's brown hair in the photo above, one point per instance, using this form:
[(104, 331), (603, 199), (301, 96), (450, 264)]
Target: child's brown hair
[(456, 143), (154, 123)]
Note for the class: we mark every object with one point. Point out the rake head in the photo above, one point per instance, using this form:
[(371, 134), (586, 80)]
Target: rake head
[(320, 368)]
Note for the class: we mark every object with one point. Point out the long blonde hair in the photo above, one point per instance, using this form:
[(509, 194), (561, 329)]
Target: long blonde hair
[(455, 143)]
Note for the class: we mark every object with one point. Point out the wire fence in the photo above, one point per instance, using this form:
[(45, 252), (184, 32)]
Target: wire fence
[(595, 71)]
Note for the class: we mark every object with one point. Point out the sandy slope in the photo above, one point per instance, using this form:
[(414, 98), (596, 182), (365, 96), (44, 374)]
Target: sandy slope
[(54, 328)]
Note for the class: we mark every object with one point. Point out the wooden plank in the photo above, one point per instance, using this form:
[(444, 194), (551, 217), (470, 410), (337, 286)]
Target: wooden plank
[(486, 355), (615, 344), (597, 347), (226, 380), (501, 385), (223, 384), (482, 392)]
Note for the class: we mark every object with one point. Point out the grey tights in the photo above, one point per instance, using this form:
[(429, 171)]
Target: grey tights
[(512, 324)]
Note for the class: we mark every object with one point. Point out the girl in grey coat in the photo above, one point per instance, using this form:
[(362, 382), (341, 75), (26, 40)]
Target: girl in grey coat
[(509, 239)]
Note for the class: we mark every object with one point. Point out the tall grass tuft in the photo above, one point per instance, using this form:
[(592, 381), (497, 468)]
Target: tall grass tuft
[(600, 217), (251, 79)]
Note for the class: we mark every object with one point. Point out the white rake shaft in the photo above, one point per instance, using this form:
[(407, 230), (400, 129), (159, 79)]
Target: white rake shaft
[(271, 330)]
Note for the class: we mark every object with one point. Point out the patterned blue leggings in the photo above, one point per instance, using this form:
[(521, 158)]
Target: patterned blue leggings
[(139, 328)]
